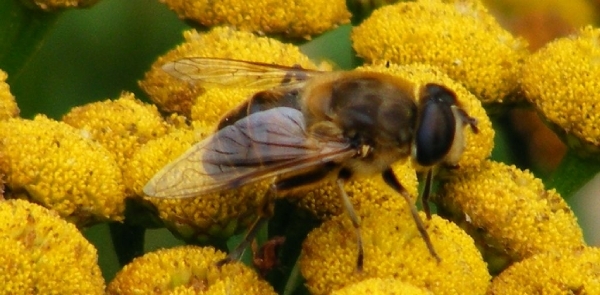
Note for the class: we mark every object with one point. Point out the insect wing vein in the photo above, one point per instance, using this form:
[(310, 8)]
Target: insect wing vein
[(262, 145)]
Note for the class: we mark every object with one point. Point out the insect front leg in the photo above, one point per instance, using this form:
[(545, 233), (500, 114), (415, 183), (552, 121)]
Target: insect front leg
[(390, 178), (343, 176), (265, 213)]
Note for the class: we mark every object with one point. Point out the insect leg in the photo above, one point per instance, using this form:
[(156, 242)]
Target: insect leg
[(355, 219), (392, 181), (265, 213), (427, 193)]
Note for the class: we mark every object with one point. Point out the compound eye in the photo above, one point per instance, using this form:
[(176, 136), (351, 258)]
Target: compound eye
[(436, 125)]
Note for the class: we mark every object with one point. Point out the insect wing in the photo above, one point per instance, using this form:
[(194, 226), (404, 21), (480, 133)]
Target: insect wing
[(262, 145), (238, 73)]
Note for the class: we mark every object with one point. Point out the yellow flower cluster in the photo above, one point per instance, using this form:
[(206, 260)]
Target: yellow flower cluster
[(122, 126), (212, 215), (459, 37), (40, 253), (292, 18), (59, 167), (379, 286), (187, 270), (512, 210), (561, 80), (8, 105), (567, 271), (174, 95), (324, 200), (393, 248)]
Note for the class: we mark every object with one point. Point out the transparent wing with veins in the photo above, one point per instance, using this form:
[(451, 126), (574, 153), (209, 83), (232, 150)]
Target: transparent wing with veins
[(262, 145), (238, 73)]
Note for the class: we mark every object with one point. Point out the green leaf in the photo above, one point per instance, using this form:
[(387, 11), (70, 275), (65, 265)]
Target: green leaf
[(572, 173), (22, 32)]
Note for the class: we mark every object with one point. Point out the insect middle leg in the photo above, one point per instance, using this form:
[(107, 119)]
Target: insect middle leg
[(283, 186)]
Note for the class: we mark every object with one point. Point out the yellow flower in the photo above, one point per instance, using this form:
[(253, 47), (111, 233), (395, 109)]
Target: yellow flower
[(324, 201), (379, 286), (174, 95), (393, 248), (41, 253), (569, 271), (293, 18), (122, 126), (478, 146), (459, 37), (213, 215), (53, 164), (187, 270), (562, 80), (512, 210), (8, 105)]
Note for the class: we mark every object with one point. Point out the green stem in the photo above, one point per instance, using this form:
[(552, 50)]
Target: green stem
[(22, 32), (572, 173), (293, 280)]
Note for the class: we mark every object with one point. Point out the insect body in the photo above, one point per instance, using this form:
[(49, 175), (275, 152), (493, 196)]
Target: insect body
[(312, 126)]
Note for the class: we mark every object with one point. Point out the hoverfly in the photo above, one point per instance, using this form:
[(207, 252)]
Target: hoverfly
[(310, 126)]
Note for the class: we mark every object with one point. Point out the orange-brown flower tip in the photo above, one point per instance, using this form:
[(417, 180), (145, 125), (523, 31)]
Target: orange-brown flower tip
[(122, 126), (187, 270), (40, 253), (381, 286), (568, 271), (512, 210), (561, 80), (57, 166), (51, 5), (295, 19), (459, 37), (368, 192), (219, 214), (8, 104), (393, 248), (174, 95), (478, 146)]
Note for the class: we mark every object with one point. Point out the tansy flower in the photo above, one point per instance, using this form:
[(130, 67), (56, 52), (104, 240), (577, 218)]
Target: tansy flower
[(567, 271), (8, 105), (40, 253), (174, 95), (459, 37), (511, 210), (561, 80), (293, 18), (324, 200), (380, 286), (122, 126), (187, 270), (393, 248), (219, 214), (55, 165)]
